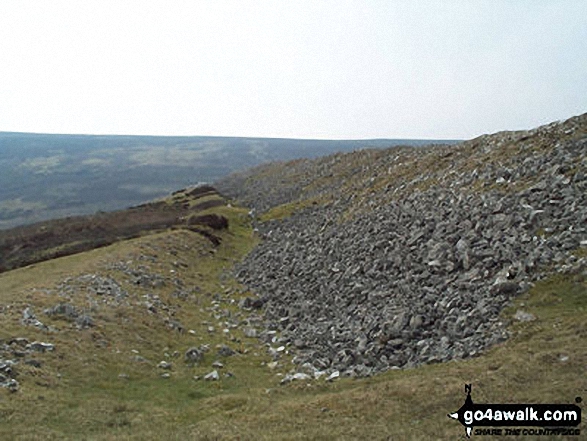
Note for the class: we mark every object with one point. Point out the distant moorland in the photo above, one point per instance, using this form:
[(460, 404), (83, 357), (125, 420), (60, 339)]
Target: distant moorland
[(51, 176)]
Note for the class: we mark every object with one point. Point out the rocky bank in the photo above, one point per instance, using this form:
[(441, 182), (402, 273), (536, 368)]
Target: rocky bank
[(406, 256)]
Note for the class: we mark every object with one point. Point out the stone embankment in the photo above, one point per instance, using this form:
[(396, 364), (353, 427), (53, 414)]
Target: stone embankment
[(414, 267)]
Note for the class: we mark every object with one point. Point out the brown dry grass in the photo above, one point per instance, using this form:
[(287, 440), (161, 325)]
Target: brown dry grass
[(25, 245)]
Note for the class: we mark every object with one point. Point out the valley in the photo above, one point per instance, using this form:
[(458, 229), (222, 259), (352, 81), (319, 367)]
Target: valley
[(51, 176)]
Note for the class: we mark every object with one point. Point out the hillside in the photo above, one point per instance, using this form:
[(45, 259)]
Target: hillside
[(345, 297), (45, 176), (47, 240), (399, 257)]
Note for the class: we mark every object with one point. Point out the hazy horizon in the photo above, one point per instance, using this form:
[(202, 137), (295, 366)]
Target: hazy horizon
[(223, 137)]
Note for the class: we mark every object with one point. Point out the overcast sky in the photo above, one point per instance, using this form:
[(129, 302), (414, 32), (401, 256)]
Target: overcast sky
[(299, 69)]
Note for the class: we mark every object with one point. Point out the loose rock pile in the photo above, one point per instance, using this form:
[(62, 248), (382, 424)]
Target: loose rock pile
[(103, 288), (421, 277)]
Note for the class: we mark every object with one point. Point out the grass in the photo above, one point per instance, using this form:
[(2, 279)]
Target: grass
[(79, 392), (60, 237), (286, 210), (91, 387)]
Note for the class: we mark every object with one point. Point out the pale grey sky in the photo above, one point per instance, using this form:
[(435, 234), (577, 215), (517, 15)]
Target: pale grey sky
[(300, 69)]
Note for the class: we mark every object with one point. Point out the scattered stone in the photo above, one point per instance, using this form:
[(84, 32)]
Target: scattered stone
[(103, 286), (39, 346), (416, 321), (29, 319), (298, 376), (299, 343), (212, 376), (523, 316), (505, 288), (396, 342), (175, 325), (164, 365), (333, 376), (250, 332), (6, 366), (65, 310), (11, 384), (70, 313), (217, 365), (251, 303), (34, 363), (301, 376), (225, 351), (19, 341), (84, 321), (194, 355)]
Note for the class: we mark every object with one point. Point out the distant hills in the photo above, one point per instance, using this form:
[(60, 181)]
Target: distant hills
[(46, 176)]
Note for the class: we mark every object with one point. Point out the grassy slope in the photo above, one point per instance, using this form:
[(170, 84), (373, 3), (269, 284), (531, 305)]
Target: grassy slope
[(25, 245), (90, 401)]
